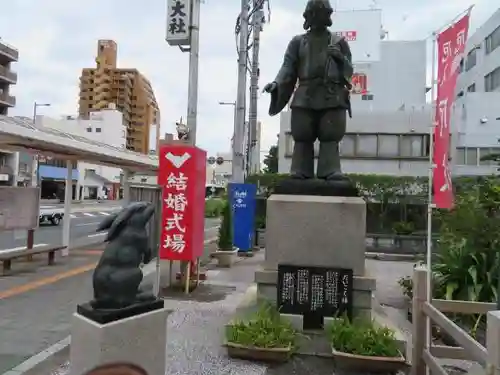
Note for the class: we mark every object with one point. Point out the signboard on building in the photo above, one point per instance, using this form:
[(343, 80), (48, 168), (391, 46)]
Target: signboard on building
[(182, 178), (178, 22), (362, 29), (317, 291), (359, 83)]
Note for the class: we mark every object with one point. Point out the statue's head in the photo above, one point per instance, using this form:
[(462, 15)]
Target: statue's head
[(135, 216), (318, 14)]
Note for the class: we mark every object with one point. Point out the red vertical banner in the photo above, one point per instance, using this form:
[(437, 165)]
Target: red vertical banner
[(181, 175), (451, 47)]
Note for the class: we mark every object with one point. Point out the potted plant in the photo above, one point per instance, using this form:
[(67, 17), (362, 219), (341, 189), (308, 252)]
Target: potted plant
[(362, 345), (226, 253), (264, 336)]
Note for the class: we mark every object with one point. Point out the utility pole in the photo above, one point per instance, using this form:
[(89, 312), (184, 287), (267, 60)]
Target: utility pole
[(239, 125), (194, 49), (254, 154)]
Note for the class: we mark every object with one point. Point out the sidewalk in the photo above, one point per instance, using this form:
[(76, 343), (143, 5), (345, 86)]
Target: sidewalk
[(36, 306)]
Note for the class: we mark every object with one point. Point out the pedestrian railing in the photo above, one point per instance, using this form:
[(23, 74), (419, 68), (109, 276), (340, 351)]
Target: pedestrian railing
[(424, 357)]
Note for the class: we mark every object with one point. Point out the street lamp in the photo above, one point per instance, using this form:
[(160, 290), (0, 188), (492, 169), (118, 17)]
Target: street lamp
[(34, 174)]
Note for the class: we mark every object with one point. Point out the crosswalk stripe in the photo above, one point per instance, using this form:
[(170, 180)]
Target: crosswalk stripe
[(72, 216), (87, 214), (105, 213)]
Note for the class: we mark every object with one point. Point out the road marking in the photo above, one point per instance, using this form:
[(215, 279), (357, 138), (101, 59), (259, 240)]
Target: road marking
[(72, 216), (87, 214), (97, 234), (21, 248), (45, 281), (105, 213), (86, 224)]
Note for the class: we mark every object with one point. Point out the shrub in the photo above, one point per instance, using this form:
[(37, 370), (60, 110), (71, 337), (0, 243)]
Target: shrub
[(362, 337), (263, 329), (225, 241), (213, 207)]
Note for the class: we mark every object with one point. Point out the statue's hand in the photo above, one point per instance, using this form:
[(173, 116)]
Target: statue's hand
[(335, 52), (270, 87)]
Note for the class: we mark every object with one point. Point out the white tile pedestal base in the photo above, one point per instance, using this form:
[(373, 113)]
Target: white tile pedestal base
[(141, 340)]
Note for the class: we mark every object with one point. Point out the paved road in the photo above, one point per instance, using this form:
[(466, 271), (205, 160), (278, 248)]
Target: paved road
[(83, 226)]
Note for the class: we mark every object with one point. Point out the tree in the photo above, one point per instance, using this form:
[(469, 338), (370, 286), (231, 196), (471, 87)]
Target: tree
[(271, 160)]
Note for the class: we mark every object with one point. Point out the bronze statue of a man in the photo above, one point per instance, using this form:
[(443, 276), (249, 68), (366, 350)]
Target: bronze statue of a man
[(321, 62)]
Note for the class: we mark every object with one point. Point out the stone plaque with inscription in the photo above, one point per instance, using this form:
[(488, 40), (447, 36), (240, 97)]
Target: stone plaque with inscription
[(319, 291)]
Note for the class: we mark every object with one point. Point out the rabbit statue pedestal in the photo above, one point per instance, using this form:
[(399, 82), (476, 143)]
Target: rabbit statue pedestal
[(140, 339)]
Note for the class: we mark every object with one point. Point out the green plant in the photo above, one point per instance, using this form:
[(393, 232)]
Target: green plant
[(406, 285), (263, 329), (403, 227), (213, 207), (225, 240), (260, 222), (362, 337)]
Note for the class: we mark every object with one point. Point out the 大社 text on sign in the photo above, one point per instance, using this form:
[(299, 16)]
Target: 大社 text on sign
[(178, 22)]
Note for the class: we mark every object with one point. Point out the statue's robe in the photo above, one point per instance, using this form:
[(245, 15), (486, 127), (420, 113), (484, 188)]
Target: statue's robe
[(320, 87)]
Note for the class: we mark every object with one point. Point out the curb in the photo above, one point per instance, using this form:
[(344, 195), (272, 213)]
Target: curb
[(56, 355), (387, 257)]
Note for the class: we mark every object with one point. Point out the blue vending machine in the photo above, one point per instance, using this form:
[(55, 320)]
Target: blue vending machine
[(242, 200)]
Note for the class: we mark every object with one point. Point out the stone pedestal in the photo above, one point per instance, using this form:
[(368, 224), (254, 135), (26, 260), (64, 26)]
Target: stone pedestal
[(322, 231), (140, 340)]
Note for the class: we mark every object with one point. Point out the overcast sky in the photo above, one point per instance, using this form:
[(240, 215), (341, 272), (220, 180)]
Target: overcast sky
[(57, 38)]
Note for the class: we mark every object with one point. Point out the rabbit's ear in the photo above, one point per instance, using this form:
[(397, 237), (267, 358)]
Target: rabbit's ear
[(107, 222), (123, 218)]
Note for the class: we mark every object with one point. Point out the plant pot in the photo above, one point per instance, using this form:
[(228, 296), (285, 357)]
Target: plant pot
[(369, 364), (226, 258), (278, 355)]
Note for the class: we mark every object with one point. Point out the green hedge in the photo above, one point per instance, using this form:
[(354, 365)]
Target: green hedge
[(214, 207), (395, 204)]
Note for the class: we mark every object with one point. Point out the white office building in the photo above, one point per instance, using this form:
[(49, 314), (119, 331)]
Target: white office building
[(106, 126), (477, 108)]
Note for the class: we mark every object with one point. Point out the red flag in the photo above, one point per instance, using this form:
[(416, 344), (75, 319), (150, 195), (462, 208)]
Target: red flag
[(451, 47)]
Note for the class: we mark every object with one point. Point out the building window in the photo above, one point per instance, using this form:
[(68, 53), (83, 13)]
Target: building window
[(89, 130), (412, 145), (471, 156), (348, 145), (471, 88), (367, 145), (97, 130), (388, 145), (376, 145), (492, 41), (471, 60), (492, 80)]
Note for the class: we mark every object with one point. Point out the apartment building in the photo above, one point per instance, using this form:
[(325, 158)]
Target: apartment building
[(128, 89), (8, 55), (9, 161)]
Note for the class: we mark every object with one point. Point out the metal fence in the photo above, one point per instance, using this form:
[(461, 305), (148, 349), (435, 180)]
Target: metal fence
[(151, 194)]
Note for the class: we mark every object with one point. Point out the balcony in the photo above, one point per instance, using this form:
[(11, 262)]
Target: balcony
[(8, 53), (8, 75), (7, 100)]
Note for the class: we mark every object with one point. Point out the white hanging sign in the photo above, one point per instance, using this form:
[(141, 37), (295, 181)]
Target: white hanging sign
[(178, 22)]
